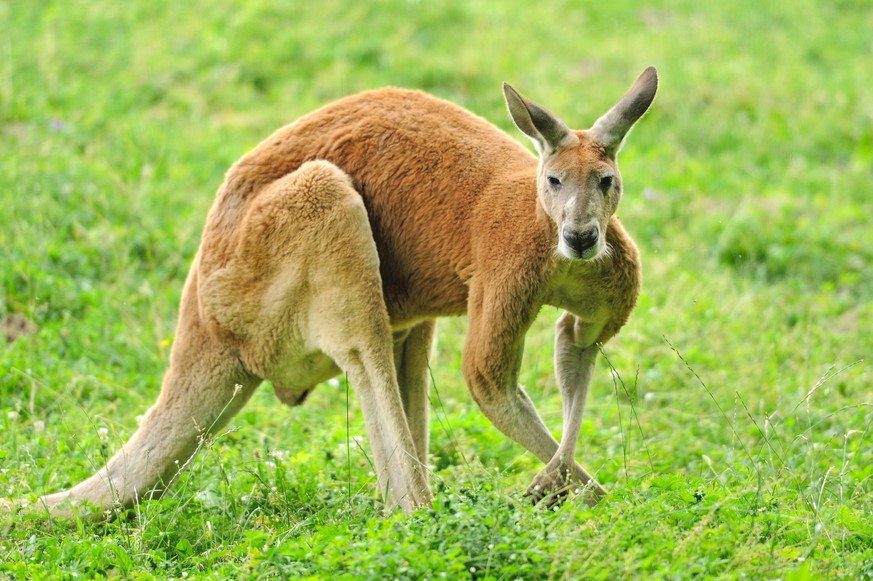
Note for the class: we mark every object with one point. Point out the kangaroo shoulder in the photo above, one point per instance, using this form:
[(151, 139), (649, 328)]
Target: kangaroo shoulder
[(622, 280)]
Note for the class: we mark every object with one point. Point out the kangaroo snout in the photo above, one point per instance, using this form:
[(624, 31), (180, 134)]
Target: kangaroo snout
[(581, 243)]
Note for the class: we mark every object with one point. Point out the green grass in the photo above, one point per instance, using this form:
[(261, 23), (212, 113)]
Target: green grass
[(735, 431)]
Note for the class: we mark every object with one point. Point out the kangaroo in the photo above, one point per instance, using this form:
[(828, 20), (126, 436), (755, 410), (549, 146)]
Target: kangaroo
[(334, 246)]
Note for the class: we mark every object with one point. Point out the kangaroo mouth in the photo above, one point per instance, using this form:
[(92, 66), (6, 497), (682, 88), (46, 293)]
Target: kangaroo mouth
[(580, 244)]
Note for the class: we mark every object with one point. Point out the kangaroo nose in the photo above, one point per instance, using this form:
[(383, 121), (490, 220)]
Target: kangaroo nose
[(578, 241)]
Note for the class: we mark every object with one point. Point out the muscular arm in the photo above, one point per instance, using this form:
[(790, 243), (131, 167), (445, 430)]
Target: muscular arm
[(575, 355), (492, 358)]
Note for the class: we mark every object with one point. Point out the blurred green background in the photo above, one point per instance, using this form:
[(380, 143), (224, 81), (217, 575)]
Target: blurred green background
[(747, 188)]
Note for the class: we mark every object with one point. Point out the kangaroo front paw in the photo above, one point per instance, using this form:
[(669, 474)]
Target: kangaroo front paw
[(557, 481), (552, 485)]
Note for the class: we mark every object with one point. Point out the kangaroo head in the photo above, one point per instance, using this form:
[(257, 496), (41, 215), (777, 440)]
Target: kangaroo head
[(578, 182)]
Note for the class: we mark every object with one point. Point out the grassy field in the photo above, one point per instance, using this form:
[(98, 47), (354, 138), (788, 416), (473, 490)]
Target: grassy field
[(731, 419)]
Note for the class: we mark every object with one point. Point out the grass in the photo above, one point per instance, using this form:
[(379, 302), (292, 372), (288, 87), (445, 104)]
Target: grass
[(731, 422)]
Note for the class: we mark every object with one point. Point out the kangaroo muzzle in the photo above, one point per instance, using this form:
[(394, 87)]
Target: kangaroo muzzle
[(579, 243)]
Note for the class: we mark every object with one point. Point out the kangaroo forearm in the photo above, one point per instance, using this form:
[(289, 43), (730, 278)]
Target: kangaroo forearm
[(574, 366)]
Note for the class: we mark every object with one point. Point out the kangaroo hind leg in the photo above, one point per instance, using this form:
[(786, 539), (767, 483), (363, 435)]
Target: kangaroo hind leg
[(320, 310), (347, 320), (412, 352), (203, 388)]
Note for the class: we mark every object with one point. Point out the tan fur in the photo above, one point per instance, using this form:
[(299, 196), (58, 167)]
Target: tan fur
[(335, 244)]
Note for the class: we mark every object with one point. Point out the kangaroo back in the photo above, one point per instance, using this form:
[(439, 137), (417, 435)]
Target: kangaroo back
[(422, 166)]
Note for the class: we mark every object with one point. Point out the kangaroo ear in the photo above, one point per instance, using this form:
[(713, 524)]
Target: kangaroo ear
[(546, 131), (612, 127)]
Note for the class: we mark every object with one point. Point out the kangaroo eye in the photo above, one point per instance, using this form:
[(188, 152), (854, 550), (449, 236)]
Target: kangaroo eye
[(554, 182), (606, 183)]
